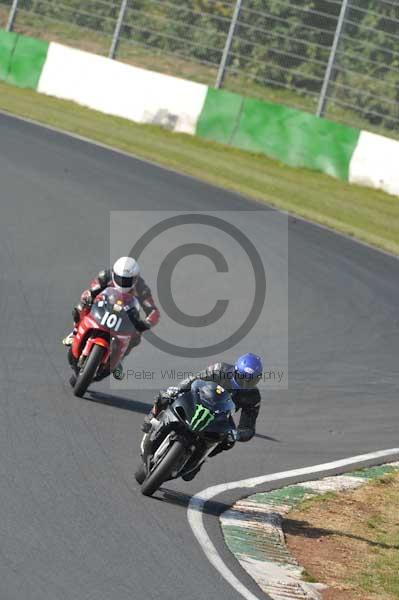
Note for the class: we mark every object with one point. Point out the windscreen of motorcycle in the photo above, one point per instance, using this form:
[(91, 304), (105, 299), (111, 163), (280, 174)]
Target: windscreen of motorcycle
[(213, 397), (111, 310)]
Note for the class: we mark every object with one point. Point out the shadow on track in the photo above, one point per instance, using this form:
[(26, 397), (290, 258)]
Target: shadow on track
[(141, 407), (119, 402), (304, 529), (213, 507), (267, 437)]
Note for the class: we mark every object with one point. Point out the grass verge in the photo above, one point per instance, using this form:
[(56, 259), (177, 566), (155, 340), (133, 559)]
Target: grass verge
[(369, 215), (350, 541)]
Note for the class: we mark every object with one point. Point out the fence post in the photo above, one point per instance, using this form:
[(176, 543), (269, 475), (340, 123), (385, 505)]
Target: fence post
[(12, 16), (323, 99), (118, 28), (227, 47)]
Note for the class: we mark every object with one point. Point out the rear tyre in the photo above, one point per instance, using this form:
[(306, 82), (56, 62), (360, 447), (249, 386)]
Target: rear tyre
[(163, 471), (86, 376), (140, 473)]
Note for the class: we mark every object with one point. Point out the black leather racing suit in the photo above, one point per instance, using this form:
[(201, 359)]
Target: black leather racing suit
[(246, 400)]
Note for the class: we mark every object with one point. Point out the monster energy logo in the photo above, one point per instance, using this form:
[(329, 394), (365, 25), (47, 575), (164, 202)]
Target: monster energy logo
[(201, 419)]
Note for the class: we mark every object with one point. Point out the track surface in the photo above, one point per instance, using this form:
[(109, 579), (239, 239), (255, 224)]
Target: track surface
[(73, 522)]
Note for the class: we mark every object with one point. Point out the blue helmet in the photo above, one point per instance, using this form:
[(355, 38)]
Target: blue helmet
[(248, 371)]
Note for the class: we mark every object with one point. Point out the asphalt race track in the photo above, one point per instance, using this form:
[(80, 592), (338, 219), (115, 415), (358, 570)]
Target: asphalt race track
[(73, 524)]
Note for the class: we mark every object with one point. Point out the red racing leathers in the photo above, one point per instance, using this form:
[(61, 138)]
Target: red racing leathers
[(141, 291)]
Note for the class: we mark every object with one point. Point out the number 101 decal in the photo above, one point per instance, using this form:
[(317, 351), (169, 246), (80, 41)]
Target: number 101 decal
[(111, 321)]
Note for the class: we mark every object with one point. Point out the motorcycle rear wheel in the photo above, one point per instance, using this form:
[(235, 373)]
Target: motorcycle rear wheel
[(86, 375), (163, 470)]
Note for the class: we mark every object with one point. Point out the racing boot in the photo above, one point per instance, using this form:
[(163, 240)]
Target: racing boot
[(189, 476), (118, 372), (147, 425), (68, 340)]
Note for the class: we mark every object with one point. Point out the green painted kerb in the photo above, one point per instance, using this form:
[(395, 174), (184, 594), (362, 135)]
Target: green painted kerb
[(250, 543), (22, 59), (375, 472), (288, 496)]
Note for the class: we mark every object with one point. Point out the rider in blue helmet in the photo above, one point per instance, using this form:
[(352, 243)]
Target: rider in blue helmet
[(240, 379), (247, 372)]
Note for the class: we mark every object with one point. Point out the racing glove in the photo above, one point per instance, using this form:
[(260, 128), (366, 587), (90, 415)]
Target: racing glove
[(165, 397), (138, 323), (142, 326), (229, 441), (86, 299)]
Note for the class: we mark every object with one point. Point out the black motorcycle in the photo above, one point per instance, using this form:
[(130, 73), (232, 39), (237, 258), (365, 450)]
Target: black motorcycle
[(184, 434)]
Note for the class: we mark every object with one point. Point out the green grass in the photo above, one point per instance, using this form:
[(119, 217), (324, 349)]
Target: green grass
[(369, 215), (308, 577), (359, 556), (382, 574)]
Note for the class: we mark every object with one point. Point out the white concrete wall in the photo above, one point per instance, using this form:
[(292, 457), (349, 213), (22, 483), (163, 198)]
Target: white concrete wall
[(375, 163), (123, 90)]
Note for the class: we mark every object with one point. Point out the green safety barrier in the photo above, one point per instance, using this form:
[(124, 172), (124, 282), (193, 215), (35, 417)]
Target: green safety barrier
[(296, 138), (220, 115), (27, 62), (7, 46), (21, 59)]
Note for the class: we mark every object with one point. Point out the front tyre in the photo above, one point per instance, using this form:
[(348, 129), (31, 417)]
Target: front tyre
[(86, 375), (163, 470)]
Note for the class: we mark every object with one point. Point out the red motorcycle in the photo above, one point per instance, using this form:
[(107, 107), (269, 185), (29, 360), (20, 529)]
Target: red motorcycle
[(102, 338)]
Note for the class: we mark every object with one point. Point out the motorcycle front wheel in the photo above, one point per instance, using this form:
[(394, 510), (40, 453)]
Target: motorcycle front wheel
[(86, 375), (163, 470)]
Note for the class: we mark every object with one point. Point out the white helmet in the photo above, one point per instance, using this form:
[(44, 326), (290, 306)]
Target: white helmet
[(125, 273)]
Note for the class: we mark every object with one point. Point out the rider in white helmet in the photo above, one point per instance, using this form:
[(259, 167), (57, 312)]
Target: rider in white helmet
[(125, 273), (125, 276)]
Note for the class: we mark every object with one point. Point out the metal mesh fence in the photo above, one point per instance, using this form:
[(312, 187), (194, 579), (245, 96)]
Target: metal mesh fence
[(338, 58)]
